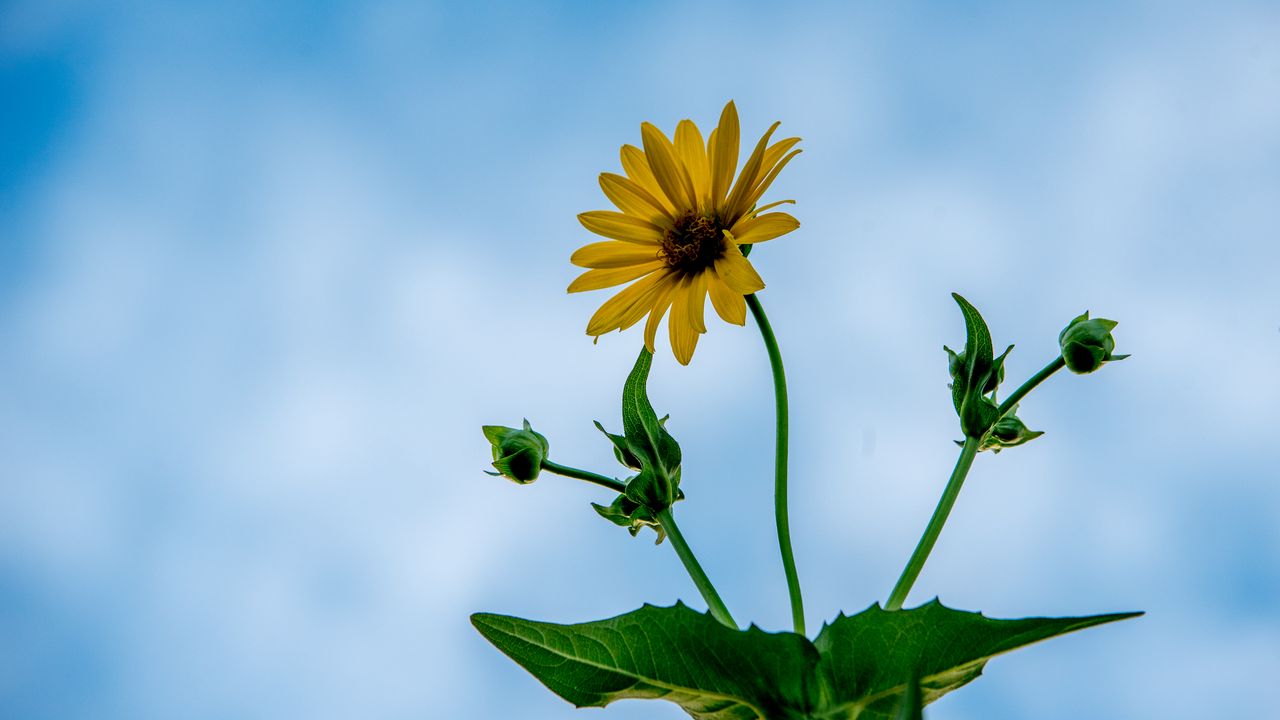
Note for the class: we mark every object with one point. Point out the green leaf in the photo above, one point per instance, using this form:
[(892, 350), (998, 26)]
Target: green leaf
[(869, 659), (621, 450), (862, 667), (974, 373), (646, 436), (712, 671), (912, 705)]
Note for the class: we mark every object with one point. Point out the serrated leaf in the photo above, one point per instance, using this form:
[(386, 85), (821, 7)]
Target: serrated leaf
[(675, 654), (860, 668), (869, 658)]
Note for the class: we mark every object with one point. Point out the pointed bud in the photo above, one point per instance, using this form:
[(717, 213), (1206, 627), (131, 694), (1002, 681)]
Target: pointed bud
[(517, 454), (1009, 431), (1087, 344)]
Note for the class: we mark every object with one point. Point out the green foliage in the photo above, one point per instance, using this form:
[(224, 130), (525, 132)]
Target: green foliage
[(858, 667), (880, 664), (911, 707), (975, 373), (646, 435), (645, 445)]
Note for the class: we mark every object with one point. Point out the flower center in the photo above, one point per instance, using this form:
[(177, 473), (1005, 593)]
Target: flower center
[(695, 242)]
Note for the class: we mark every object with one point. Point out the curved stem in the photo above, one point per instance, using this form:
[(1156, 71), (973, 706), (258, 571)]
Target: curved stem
[(914, 565), (714, 603), (583, 475), (1026, 387), (780, 463)]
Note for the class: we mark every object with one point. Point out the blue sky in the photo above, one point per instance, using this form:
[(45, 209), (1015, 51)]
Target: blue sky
[(264, 271)]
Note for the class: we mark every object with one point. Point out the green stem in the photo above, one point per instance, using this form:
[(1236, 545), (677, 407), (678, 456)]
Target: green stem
[(780, 464), (914, 565), (583, 475), (1053, 367), (714, 603)]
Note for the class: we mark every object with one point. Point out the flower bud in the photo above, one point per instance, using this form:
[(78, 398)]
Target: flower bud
[(1009, 431), (1087, 344), (517, 454)]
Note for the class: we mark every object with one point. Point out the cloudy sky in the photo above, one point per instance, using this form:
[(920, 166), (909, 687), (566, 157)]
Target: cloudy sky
[(264, 271)]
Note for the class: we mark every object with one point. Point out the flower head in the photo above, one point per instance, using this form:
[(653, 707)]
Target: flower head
[(680, 219)]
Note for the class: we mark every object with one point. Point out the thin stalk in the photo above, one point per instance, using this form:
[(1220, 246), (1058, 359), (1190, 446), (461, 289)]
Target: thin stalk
[(949, 495), (583, 475), (1053, 367), (714, 603), (780, 463)]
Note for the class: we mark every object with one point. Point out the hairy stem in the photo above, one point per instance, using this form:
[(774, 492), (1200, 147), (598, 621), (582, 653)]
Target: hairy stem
[(780, 463)]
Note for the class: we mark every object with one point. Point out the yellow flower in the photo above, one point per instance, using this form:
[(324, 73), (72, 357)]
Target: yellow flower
[(682, 219)]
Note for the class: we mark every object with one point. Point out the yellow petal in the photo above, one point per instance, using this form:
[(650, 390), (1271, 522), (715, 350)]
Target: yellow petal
[(735, 206), (737, 272), (775, 153), (764, 184), (670, 173), (697, 301), (692, 152), (729, 305), (684, 337), (636, 166), (618, 308), (723, 153), (632, 199), (608, 277), (661, 301), (763, 227), (620, 226), (613, 254), (770, 206), (643, 304)]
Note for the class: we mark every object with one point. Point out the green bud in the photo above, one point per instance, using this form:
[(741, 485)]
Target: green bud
[(1087, 344), (1009, 431), (517, 454)]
